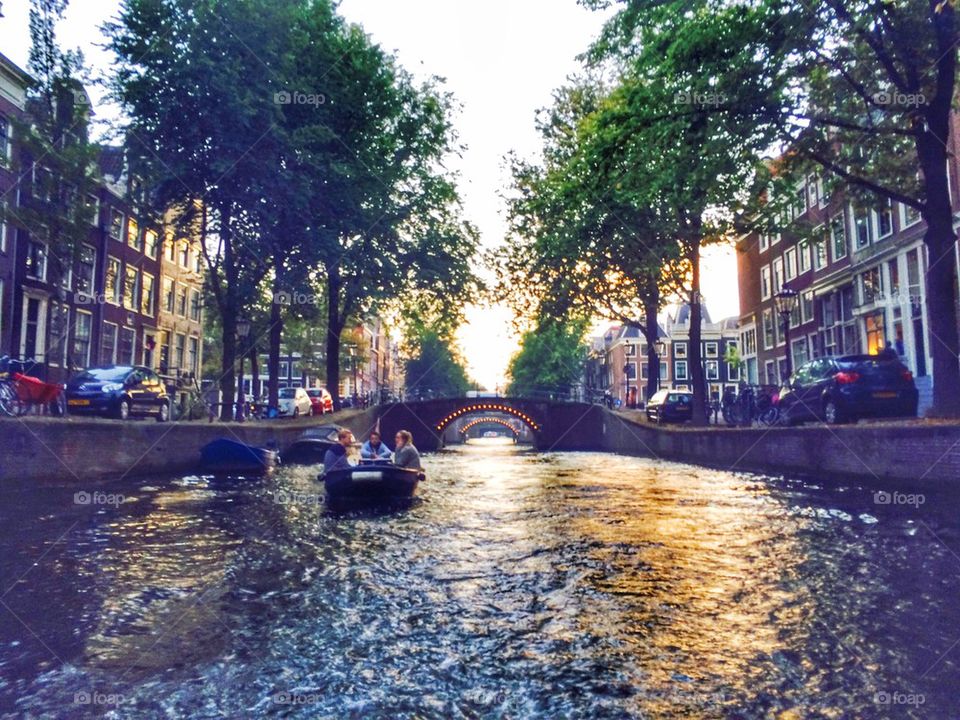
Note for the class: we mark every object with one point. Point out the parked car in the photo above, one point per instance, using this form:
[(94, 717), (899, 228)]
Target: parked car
[(120, 391), (321, 401), (844, 389), (670, 406), (294, 402)]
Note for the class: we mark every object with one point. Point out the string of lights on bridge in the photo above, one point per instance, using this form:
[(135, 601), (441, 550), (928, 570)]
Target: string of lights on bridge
[(488, 407), (480, 421)]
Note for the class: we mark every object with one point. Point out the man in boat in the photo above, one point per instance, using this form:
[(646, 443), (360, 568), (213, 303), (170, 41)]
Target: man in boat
[(407, 455), (374, 448), (336, 457)]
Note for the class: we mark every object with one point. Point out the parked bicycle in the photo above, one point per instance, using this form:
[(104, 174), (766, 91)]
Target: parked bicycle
[(21, 393), (753, 403)]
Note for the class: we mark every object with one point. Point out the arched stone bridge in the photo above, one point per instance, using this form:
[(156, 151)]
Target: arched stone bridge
[(555, 425), (481, 420)]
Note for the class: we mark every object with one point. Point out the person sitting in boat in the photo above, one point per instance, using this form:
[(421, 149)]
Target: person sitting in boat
[(375, 448), (407, 455), (336, 457)]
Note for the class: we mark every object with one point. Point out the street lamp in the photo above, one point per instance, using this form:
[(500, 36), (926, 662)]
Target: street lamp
[(243, 332), (786, 303), (661, 350)]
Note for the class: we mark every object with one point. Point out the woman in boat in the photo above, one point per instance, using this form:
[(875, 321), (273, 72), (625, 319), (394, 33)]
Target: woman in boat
[(407, 455), (374, 448), (336, 457)]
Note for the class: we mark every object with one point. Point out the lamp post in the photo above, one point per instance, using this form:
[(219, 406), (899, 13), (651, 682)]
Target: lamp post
[(661, 350), (786, 303), (243, 332)]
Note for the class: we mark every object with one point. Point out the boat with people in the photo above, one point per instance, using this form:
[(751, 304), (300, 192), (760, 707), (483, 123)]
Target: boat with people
[(224, 456), (370, 483)]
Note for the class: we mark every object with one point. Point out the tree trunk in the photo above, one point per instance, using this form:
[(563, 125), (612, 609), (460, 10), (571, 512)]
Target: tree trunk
[(229, 312), (652, 333), (276, 337), (695, 352), (334, 329), (255, 373), (941, 276)]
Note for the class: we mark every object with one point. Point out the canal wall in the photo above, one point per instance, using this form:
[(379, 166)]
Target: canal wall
[(99, 451), (880, 454)]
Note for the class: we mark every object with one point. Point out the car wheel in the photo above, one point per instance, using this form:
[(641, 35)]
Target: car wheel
[(832, 413), (123, 409), (163, 415), (296, 412)]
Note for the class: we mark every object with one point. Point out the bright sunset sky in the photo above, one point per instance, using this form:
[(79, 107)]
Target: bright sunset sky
[(501, 59)]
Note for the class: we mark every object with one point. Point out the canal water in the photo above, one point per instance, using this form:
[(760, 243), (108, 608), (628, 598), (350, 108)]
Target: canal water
[(521, 585)]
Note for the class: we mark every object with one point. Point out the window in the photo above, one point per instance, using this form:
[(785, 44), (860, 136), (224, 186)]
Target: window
[(769, 333), (803, 255), (680, 350), (790, 264), (131, 290), (885, 218), (86, 267), (112, 284), (151, 242), (284, 369), (630, 370), (911, 216), (59, 331), (128, 341), (871, 286), (178, 350), (749, 341), (116, 224), (799, 200), (813, 191), (181, 301), (680, 370), (169, 296), (6, 147), (108, 344), (170, 249), (66, 275), (820, 254), (644, 370), (778, 274), (733, 373), (198, 262), (147, 295), (185, 254), (193, 356), (93, 209), (195, 309), (765, 288), (33, 328), (134, 238), (799, 352), (824, 191), (83, 326), (806, 306), (711, 349), (764, 241), (873, 324), (862, 231), (36, 260), (4, 226), (713, 370), (838, 234), (164, 351), (771, 373)]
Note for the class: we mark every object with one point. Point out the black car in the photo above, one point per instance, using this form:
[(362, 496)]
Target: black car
[(119, 391), (670, 406), (843, 389)]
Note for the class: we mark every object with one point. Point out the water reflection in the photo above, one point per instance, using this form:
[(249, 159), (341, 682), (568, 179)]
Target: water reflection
[(520, 585)]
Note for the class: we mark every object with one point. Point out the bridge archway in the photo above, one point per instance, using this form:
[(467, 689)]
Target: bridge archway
[(488, 407), (489, 420)]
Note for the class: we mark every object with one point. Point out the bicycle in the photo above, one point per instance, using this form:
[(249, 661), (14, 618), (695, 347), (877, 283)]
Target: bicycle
[(20, 393), (758, 404)]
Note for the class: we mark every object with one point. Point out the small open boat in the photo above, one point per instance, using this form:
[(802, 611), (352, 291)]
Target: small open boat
[(229, 457), (371, 484), (312, 445)]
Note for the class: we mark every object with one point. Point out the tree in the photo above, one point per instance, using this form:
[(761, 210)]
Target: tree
[(863, 90), (434, 368), (550, 361)]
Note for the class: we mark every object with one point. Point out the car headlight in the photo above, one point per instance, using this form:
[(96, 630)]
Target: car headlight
[(112, 387)]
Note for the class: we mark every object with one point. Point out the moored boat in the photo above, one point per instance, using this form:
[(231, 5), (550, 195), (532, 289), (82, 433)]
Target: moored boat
[(230, 457), (312, 445), (371, 484)]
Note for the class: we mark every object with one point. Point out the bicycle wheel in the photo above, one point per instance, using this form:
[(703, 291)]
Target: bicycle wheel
[(770, 416), (8, 400)]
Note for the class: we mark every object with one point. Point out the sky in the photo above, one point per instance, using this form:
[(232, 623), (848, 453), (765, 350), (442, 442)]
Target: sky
[(502, 59)]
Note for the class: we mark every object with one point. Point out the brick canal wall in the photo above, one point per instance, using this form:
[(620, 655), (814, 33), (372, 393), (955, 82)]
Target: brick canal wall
[(881, 454), (71, 451), (88, 451)]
